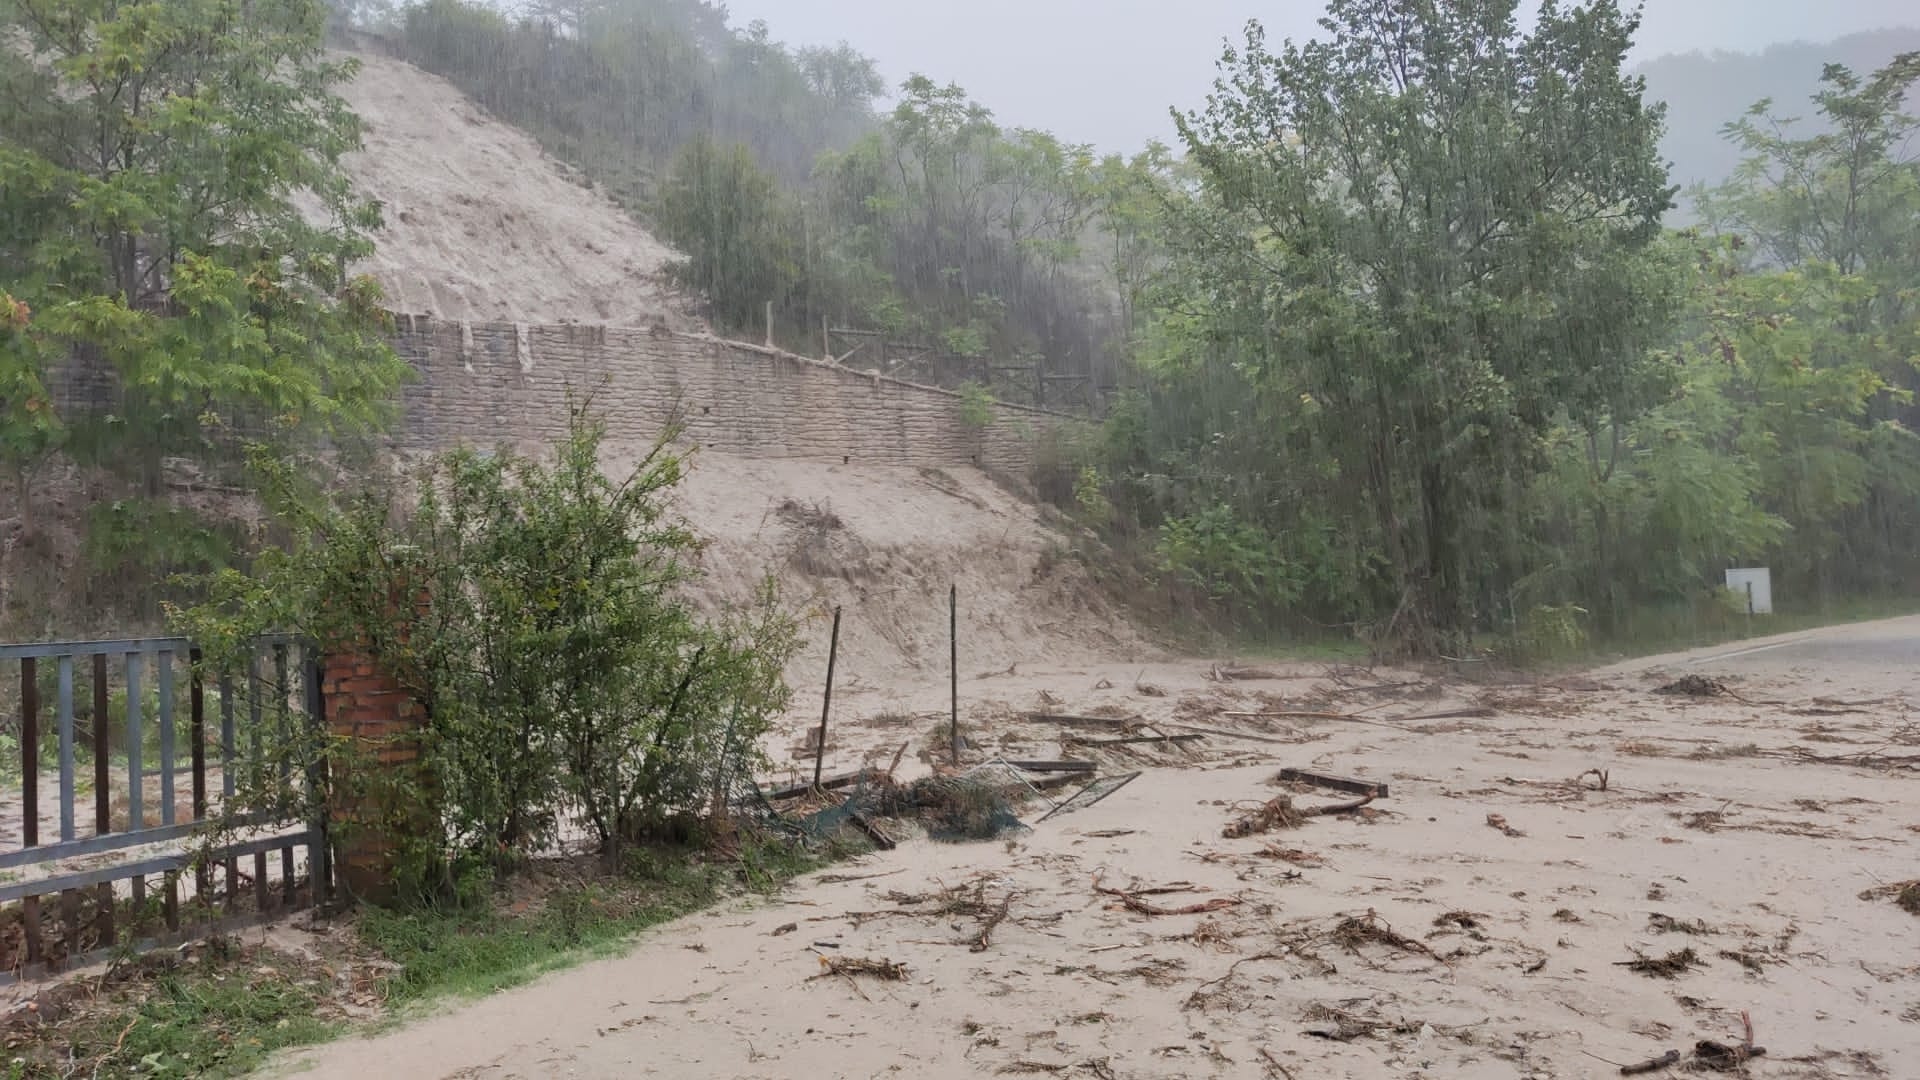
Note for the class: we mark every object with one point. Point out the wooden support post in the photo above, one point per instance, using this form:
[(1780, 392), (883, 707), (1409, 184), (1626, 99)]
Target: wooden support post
[(826, 707), (102, 789), (30, 752), (953, 670), (769, 324)]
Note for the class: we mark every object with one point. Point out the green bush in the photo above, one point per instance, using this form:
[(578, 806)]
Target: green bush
[(976, 405), (1226, 556), (535, 611)]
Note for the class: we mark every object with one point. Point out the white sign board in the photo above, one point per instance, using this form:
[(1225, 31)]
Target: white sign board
[(1754, 583)]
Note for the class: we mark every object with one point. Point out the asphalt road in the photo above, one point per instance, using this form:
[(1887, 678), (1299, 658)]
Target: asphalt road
[(1881, 646)]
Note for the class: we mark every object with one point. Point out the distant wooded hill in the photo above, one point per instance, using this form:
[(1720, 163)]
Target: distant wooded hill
[(1705, 91)]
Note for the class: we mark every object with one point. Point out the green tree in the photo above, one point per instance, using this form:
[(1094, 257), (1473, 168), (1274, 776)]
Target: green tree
[(1429, 234), (151, 157), (724, 211), (1812, 308)]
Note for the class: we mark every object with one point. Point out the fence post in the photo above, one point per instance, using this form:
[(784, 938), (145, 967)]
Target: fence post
[(826, 707), (375, 716), (953, 669), (320, 851)]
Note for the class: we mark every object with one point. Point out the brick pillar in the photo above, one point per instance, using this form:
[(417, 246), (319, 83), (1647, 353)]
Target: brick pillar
[(380, 724)]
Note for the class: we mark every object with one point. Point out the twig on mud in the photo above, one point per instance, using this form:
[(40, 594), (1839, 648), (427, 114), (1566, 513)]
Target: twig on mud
[(1134, 903), (1274, 1066), (850, 966), (994, 918), (1671, 1057), (1202, 994), (1228, 734), (1672, 965), (1291, 715)]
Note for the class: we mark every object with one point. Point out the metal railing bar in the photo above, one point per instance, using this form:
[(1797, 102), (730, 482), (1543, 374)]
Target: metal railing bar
[(163, 661), (159, 864), (29, 650), (136, 749), (63, 720)]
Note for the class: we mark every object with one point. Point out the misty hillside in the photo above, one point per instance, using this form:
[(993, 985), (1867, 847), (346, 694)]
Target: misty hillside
[(1706, 91)]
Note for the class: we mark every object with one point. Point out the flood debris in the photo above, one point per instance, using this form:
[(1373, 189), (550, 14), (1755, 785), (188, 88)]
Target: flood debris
[(853, 966), (1238, 673), (1698, 686), (1904, 894), (1671, 1057), (1276, 813), (1661, 923), (1671, 966), (1354, 931), (1460, 920), (1497, 821), (1346, 1025), (1723, 1057), (1348, 784), (1279, 812), (1296, 856), (1131, 900)]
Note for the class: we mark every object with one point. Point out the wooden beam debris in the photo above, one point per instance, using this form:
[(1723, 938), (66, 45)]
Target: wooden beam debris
[(1347, 784)]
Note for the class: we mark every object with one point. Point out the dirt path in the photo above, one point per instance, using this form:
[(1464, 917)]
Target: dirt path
[(1475, 923)]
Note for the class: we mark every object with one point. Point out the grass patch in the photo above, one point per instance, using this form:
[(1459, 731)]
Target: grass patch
[(220, 1012), (564, 917), (223, 1010)]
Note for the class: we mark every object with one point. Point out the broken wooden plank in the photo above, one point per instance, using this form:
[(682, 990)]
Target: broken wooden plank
[(1083, 721), (1348, 784), (1472, 712), (1197, 736), (830, 783), (1055, 766)]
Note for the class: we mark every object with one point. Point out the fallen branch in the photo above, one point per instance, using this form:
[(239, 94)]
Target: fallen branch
[(1280, 813), (1471, 712), (1671, 1057), (1134, 903), (994, 918), (1274, 1066), (1227, 734), (1132, 739), (1290, 715), (851, 966)]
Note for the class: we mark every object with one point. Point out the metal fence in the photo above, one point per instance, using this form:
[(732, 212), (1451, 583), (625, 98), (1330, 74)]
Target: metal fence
[(121, 863)]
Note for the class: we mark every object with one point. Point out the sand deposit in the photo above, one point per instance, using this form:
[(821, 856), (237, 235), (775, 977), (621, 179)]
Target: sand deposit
[(1563, 878)]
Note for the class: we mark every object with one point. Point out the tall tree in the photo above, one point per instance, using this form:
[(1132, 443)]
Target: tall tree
[(1435, 228), (1815, 308), (154, 163)]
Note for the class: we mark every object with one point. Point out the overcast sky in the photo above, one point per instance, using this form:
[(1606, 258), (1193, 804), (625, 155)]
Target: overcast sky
[(1105, 71)]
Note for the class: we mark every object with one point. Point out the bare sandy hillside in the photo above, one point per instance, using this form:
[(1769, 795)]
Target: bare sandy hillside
[(481, 224), (886, 543)]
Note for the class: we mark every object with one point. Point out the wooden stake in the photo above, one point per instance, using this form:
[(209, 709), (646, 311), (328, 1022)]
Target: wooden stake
[(826, 707), (953, 668)]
